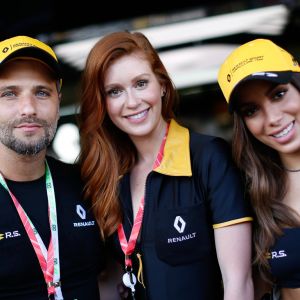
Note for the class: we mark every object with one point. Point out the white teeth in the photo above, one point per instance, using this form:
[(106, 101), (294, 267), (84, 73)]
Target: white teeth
[(139, 115), (284, 131)]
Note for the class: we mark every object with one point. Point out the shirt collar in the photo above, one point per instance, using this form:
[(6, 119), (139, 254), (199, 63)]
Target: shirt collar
[(176, 158)]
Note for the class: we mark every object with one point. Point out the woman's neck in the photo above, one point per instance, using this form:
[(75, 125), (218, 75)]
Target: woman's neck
[(148, 146)]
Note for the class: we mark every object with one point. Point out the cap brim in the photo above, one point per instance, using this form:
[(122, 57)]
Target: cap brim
[(276, 77), (37, 53)]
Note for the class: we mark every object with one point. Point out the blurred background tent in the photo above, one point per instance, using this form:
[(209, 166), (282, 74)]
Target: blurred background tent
[(192, 37)]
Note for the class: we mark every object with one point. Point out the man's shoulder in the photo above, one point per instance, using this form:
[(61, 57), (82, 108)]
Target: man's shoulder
[(60, 168)]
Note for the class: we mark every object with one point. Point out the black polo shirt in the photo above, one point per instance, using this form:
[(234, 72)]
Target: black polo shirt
[(196, 188)]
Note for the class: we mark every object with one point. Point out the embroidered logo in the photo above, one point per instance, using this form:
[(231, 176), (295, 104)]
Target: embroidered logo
[(9, 234), (278, 254), (179, 224), (80, 212)]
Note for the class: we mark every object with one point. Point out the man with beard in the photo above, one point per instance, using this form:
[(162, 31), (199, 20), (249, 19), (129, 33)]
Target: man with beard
[(49, 241)]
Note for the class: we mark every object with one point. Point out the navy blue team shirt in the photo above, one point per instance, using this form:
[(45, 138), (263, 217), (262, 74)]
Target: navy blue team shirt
[(195, 189), (80, 245)]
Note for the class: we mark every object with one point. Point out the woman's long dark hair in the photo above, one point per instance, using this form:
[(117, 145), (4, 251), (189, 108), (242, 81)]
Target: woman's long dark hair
[(267, 185)]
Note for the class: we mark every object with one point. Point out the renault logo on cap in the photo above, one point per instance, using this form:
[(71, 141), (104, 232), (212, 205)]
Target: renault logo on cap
[(179, 224)]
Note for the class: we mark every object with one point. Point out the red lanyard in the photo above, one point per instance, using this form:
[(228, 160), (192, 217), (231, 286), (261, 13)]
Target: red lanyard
[(48, 260), (128, 247)]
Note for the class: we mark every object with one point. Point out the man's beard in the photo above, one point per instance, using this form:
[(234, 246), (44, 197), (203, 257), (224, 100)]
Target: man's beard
[(22, 147)]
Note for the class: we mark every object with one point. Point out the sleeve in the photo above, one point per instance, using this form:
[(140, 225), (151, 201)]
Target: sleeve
[(223, 184)]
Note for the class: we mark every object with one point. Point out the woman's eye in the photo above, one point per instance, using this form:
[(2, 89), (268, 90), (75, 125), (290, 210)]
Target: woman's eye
[(113, 92), (248, 112), (141, 83), (279, 94)]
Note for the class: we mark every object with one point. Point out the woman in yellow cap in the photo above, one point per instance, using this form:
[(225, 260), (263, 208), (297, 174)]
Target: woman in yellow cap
[(261, 83)]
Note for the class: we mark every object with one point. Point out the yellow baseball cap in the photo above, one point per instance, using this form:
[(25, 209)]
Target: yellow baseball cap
[(24, 46), (257, 59)]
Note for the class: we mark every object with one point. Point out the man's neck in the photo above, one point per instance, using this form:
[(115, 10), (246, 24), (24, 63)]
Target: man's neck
[(21, 167)]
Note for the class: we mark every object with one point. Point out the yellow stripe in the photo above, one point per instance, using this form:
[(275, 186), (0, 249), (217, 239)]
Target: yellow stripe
[(232, 222)]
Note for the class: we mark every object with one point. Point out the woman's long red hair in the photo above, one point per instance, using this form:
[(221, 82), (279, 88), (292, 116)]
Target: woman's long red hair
[(106, 152)]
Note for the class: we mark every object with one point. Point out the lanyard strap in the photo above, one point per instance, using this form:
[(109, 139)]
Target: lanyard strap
[(48, 260), (128, 247)]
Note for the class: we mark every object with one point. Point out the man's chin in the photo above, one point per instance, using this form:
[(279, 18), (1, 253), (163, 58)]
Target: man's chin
[(28, 148)]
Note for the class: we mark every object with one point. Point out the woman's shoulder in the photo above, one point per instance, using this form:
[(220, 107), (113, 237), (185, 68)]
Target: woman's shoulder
[(206, 142)]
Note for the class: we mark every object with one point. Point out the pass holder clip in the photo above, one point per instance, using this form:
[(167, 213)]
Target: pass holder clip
[(129, 280)]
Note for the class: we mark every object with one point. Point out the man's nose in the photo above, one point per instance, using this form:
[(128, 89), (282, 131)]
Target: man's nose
[(27, 105)]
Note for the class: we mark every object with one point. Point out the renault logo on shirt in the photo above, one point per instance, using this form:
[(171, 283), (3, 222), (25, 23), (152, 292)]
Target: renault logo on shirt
[(82, 214), (179, 224)]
